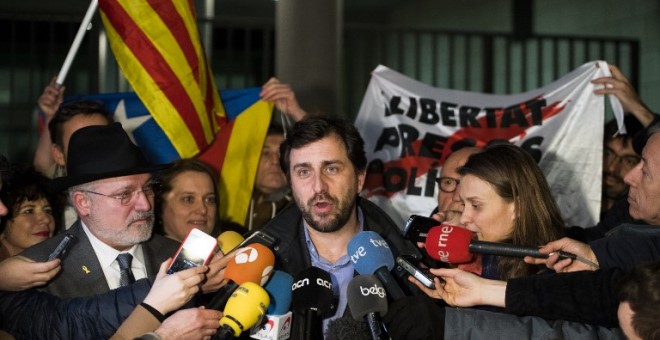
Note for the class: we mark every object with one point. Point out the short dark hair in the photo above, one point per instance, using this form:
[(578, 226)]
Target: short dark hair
[(634, 130), (20, 183), (641, 289), (66, 111), (312, 129)]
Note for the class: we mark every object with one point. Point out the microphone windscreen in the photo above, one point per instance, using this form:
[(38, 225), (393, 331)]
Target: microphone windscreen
[(279, 289), (252, 263), (245, 307), (366, 295), (312, 290), (448, 243), (347, 328), (229, 240), (369, 252)]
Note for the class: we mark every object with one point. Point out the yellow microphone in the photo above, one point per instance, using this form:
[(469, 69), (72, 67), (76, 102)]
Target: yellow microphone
[(244, 309), (229, 240)]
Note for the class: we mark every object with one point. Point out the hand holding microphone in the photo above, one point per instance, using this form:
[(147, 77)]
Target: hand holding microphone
[(585, 259), (456, 245)]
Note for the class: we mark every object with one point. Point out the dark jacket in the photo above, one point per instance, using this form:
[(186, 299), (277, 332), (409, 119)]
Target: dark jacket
[(32, 314), (585, 296), (627, 246), (292, 254), (613, 218), (588, 296), (81, 273)]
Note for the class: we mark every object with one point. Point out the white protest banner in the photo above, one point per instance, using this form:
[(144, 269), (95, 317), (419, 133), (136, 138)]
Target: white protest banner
[(410, 128)]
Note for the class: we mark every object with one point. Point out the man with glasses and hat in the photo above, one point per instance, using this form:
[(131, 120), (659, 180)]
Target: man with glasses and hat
[(110, 186)]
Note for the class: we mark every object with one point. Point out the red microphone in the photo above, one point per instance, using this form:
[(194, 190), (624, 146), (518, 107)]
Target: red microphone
[(448, 243), (452, 244)]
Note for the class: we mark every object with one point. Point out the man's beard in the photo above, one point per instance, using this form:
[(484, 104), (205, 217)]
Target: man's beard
[(327, 223), (127, 236), (618, 190)]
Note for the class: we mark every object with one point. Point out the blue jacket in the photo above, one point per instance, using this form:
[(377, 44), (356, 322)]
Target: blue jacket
[(32, 314)]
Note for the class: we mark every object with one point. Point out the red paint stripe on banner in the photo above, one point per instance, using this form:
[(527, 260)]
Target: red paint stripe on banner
[(375, 182), (154, 64)]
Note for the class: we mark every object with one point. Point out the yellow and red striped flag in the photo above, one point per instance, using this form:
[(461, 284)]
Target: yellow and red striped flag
[(157, 46)]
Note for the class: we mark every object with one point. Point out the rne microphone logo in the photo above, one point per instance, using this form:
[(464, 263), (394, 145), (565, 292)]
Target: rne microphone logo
[(444, 235), (380, 291), (246, 255)]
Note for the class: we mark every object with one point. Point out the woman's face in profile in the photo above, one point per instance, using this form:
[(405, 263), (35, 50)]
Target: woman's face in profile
[(485, 212)]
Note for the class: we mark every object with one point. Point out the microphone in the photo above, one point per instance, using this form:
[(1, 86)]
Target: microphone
[(371, 254), (368, 301), (253, 263), (229, 240), (277, 324), (244, 308), (347, 328), (453, 244), (312, 297)]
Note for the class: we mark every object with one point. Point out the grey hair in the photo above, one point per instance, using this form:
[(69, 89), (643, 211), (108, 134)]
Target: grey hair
[(77, 188)]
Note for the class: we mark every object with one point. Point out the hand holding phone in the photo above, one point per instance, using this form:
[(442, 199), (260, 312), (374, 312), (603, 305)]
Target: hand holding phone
[(196, 250), (422, 275), (62, 247)]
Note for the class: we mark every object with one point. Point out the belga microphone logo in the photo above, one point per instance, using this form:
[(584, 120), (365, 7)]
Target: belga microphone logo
[(380, 291)]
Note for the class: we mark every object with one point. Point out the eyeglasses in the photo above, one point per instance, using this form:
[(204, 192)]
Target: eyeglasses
[(126, 197), (447, 184)]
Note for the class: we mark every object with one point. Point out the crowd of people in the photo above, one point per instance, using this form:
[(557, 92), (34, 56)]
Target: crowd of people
[(124, 217)]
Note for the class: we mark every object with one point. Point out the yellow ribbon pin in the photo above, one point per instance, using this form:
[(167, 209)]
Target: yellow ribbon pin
[(84, 268)]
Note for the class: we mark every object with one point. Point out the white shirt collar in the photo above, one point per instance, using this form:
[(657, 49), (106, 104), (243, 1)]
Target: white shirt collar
[(107, 256)]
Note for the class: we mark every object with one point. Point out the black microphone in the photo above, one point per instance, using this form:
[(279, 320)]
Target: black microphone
[(312, 297), (347, 328), (371, 254), (368, 301), (454, 244)]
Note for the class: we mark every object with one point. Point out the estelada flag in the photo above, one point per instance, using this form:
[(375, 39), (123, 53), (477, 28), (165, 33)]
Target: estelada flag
[(234, 153), (157, 46)]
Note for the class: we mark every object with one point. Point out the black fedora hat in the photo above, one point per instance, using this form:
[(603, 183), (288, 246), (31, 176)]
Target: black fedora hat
[(102, 151)]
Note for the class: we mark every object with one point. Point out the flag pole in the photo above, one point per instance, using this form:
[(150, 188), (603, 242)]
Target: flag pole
[(76, 42)]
